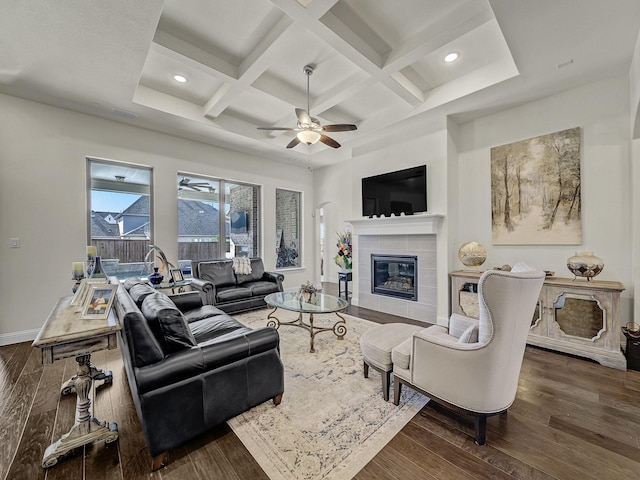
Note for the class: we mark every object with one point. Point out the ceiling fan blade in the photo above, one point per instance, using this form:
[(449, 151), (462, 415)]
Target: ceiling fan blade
[(303, 116), (275, 128), (293, 142), (329, 141), (339, 127)]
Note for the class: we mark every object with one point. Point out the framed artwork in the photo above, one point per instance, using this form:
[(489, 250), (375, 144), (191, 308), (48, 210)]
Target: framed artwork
[(98, 301), (81, 292), (536, 191), (176, 275)]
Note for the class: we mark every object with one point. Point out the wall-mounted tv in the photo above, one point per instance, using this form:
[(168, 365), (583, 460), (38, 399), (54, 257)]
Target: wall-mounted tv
[(403, 191), (238, 222)]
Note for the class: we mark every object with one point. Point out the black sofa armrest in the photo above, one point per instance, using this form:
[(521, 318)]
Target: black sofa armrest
[(204, 357), (207, 290), (275, 278), (187, 301)]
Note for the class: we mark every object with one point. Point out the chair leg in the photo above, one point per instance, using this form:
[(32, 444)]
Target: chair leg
[(158, 461), (366, 370), (481, 428), (397, 386), (386, 380)]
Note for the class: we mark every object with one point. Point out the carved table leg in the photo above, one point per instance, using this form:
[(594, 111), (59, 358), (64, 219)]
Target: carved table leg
[(86, 429), (96, 374)]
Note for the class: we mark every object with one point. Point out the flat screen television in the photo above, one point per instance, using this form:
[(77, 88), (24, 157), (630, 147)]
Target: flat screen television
[(403, 191), (238, 222)]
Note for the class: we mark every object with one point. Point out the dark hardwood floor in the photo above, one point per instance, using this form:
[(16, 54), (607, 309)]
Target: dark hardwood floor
[(572, 419)]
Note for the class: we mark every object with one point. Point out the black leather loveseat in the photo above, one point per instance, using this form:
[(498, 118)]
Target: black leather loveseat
[(221, 286), (189, 366)]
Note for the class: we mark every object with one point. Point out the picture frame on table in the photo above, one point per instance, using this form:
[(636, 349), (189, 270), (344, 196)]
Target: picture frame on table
[(81, 292), (176, 275), (98, 302)]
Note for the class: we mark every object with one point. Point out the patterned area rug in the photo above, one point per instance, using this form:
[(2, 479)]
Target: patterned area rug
[(332, 421)]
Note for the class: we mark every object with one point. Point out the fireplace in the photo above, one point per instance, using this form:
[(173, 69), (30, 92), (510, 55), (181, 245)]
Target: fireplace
[(395, 276)]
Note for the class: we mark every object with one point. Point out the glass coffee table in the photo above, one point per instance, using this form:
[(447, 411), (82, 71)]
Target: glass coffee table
[(319, 303)]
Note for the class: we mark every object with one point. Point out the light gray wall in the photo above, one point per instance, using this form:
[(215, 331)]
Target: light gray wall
[(601, 110), (43, 152), (458, 160)]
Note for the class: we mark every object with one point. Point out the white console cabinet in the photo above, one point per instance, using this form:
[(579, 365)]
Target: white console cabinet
[(573, 316)]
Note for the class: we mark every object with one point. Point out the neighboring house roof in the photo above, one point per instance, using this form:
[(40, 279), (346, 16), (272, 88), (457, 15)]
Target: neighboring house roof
[(139, 207), (197, 219), (100, 227)]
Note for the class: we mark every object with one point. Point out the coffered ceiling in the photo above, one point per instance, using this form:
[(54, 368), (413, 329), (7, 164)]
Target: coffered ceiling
[(378, 64)]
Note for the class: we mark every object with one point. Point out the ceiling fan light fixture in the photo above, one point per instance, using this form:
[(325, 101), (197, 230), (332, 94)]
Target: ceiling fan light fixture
[(308, 136)]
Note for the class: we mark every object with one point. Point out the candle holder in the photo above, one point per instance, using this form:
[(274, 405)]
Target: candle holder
[(76, 285), (77, 274)]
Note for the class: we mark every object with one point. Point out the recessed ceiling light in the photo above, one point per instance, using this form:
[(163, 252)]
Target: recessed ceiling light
[(180, 78), (451, 57)]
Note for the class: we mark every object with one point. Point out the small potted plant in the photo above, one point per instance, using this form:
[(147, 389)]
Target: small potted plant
[(307, 292)]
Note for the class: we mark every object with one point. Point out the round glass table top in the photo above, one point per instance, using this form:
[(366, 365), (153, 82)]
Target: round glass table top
[(294, 301)]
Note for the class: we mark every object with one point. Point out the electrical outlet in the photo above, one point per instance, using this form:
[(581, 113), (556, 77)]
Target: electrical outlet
[(14, 243)]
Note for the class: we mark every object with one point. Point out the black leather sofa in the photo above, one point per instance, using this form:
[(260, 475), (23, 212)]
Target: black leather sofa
[(191, 366), (219, 285)]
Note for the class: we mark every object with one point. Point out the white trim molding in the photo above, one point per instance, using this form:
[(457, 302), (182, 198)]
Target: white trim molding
[(425, 224), (18, 337)]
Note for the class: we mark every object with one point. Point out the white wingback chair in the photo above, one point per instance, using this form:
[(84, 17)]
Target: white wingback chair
[(475, 363)]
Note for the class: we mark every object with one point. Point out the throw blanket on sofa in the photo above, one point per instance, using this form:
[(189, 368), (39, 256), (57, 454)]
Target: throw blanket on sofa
[(241, 265)]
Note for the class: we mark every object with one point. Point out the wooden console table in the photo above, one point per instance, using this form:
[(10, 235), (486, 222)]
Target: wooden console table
[(63, 335), (572, 316)]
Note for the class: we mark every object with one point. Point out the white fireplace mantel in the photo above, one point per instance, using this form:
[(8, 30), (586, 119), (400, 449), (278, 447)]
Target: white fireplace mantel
[(425, 224)]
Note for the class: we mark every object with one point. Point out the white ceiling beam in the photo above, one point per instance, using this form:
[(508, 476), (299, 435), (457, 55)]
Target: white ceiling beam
[(334, 32), (252, 66), (461, 21), (194, 56)]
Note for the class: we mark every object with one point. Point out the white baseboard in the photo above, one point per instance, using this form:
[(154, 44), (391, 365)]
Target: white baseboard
[(18, 337)]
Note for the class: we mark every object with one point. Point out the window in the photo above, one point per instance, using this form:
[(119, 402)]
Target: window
[(217, 219), (120, 220), (287, 228)]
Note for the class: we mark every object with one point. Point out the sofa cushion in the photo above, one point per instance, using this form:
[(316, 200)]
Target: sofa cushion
[(213, 327), (143, 346), (229, 294), (218, 272), (158, 308), (201, 313), (261, 288), (257, 271), (130, 282), (140, 291)]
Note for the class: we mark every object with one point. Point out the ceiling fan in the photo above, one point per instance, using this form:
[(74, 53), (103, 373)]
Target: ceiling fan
[(309, 128), (196, 186)]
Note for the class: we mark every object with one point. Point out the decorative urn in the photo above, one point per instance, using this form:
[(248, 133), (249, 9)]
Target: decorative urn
[(472, 254), (585, 264), (156, 277)]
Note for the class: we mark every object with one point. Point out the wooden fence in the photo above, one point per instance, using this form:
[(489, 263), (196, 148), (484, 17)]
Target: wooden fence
[(132, 251)]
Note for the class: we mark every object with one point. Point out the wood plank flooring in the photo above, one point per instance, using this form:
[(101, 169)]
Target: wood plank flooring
[(572, 419)]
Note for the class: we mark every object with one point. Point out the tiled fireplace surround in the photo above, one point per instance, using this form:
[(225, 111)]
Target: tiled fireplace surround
[(398, 236)]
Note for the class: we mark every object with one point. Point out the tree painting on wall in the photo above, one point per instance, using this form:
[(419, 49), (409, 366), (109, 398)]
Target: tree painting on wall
[(535, 191)]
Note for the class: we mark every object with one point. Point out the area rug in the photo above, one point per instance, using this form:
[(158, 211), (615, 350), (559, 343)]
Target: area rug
[(332, 421)]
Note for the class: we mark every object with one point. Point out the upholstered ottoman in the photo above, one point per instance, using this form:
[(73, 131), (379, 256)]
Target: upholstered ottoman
[(376, 345)]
